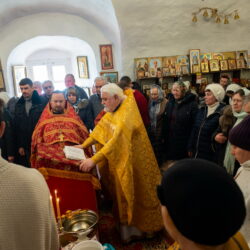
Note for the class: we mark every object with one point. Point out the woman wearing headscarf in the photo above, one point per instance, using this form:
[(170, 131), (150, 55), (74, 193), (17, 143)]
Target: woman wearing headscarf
[(226, 122), (178, 122), (206, 123), (157, 105), (239, 114), (81, 107)]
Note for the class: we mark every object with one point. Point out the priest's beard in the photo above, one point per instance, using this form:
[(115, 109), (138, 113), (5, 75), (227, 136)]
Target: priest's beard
[(58, 112)]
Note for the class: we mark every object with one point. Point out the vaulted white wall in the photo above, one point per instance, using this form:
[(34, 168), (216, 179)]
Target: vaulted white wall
[(47, 48), (165, 27), (136, 28), (93, 22), (50, 24)]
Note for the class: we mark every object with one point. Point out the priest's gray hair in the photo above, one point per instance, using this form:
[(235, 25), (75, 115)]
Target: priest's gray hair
[(113, 89)]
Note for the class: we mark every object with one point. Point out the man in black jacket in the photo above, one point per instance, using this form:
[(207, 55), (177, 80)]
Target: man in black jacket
[(48, 89), (70, 82), (27, 113)]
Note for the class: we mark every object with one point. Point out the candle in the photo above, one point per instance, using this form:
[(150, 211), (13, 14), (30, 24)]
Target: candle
[(58, 212), (55, 191)]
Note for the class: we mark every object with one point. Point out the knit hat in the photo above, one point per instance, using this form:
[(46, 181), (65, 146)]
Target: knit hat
[(204, 202), (240, 135), (233, 87), (187, 84), (217, 90), (246, 91)]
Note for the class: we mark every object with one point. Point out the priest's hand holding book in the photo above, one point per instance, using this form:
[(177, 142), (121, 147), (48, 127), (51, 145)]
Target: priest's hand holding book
[(76, 153)]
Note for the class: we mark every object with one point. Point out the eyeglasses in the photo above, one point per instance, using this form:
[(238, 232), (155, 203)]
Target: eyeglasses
[(49, 87)]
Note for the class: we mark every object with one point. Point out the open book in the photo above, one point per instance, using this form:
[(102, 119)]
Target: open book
[(74, 153)]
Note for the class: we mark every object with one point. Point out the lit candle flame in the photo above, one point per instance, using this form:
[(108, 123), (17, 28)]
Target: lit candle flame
[(58, 212)]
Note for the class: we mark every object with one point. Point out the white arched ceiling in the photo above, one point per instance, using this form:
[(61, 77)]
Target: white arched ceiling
[(92, 21), (97, 12), (72, 47), (140, 27)]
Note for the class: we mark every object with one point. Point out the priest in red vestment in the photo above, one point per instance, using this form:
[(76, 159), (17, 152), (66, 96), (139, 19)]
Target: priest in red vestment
[(60, 126)]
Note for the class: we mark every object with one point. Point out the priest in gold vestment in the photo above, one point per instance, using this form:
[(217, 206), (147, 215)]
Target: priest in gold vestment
[(127, 163)]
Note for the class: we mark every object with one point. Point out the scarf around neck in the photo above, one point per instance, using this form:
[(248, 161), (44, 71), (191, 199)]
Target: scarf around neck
[(229, 159)]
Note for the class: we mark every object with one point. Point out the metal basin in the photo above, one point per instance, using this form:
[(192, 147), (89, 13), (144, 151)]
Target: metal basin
[(79, 221)]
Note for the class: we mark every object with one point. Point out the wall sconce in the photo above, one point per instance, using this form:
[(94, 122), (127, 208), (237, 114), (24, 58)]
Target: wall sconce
[(212, 13)]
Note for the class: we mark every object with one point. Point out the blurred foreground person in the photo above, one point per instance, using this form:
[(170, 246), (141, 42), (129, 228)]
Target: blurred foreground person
[(204, 210), (239, 137), (27, 217)]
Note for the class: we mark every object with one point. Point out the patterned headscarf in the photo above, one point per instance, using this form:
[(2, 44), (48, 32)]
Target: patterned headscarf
[(155, 105)]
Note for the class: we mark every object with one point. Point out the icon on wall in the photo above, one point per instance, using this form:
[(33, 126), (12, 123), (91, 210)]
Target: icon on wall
[(106, 56), (83, 70)]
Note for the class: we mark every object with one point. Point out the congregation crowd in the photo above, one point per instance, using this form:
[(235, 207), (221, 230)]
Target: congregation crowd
[(211, 127)]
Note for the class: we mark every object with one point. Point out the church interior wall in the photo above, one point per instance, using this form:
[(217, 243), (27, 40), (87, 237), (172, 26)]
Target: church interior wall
[(134, 28)]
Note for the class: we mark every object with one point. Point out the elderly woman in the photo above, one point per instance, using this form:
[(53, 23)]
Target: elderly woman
[(178, 122), (231, 89), (238, 113), (157, 105), (247, 104), (206, 123), (81, 106)]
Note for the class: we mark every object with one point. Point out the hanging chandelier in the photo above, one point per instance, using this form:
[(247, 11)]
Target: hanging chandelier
[(215, 15)]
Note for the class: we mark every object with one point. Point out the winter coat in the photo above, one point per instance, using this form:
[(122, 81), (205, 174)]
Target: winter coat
[(177, 126), (226, 122), (7, 140), (201, 142), (81, 92), (155, 133), (83, 109), (25, 124)]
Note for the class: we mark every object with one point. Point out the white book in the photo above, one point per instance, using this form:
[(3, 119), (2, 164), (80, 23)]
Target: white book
[(74, 153)]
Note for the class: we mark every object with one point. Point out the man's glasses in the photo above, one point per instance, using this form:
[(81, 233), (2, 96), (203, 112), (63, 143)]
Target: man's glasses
[(49, 87)]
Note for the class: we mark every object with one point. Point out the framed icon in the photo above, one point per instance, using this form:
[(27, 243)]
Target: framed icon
[(204, 67), (223, 65), (194, 56), (106, 56), (214, 65), (83, 70), (232, 64), (111, 77)]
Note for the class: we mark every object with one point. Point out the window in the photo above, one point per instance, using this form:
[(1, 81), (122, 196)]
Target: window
[(53, 69), (40, 73), (58, 74)]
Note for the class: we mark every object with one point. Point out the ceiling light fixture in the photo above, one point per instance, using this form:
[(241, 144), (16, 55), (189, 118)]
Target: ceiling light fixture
[(215, 15)]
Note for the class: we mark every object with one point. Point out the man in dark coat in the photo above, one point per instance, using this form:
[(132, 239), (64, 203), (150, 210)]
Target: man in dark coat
[(95, 99), (178, 121), (70, 82), (48, 89), (27, 113)]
